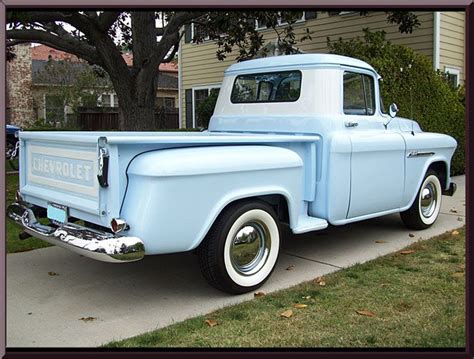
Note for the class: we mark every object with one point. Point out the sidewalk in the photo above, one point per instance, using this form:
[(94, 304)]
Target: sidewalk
[(45, 310)]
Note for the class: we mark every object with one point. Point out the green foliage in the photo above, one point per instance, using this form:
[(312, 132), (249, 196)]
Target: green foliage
[(42, 125), (206, 108), (409, 80)]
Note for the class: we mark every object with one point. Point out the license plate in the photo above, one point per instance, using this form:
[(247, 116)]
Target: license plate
[(57, 212)]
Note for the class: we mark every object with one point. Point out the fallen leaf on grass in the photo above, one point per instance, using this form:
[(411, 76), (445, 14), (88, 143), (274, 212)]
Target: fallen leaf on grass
[(320, 281), (211, 323), (290, 267), (87, 319), (458, 274), (287, 313), (299, 305), (365, 312), (383, 285), (380, 241), (259, 294), (52, 273), (407, 252), (411, 235), (454, 233), (452, 210), (306, 297)]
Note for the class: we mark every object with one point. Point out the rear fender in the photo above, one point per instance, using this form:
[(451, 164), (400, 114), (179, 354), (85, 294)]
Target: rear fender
[(174, 196)]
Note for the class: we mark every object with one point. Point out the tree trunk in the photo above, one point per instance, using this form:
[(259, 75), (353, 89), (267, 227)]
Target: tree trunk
[(136, 118), (137, 105)]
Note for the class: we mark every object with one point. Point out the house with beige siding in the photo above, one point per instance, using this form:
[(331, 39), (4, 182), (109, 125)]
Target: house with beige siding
[(440, 37)]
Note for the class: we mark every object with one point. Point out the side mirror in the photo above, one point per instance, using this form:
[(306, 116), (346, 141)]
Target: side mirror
[(393, 110)]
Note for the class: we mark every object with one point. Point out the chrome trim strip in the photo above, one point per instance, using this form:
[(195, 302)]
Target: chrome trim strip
[(88, 242), (419, 154)]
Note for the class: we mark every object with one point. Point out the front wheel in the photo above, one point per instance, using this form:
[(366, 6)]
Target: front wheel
[(427, 204), (241, 249)]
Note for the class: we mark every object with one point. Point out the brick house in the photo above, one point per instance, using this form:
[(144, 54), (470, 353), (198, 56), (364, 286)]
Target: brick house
[(440, 37), (29, 95)]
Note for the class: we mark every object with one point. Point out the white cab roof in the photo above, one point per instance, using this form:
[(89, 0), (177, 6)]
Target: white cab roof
[(296, 61)]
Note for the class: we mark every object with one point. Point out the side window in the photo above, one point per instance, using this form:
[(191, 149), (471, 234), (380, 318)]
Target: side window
[(369, 90), (359, 94)]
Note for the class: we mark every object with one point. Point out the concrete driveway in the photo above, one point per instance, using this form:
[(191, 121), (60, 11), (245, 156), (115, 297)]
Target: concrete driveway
[(45, 310)]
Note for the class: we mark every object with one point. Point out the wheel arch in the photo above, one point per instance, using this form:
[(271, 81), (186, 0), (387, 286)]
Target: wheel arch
[(441, 168), (439, 165), (279, 200)]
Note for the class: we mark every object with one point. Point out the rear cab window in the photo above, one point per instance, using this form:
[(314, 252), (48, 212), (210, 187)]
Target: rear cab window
[(284, 86)]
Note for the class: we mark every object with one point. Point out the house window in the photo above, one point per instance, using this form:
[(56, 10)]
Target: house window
[(260, 26), (165, 102), (453, 76), (54, 108), (198, 30), (359, 94), (199, 95), (108, 100), (300, 19)]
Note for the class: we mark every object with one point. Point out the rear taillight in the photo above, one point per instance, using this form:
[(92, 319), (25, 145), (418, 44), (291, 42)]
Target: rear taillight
[(118, 225)]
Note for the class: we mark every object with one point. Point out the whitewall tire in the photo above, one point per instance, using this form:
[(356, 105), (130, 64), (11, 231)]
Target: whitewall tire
[(427, 204), (241, 249)]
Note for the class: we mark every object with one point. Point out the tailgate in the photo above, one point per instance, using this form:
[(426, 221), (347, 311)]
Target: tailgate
[(62, 171)]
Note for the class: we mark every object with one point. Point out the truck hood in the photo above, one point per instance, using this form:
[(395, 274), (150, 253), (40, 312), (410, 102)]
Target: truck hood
[(408, 125)]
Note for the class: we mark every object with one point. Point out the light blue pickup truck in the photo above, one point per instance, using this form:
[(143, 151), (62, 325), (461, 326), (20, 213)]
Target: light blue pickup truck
[(301, 140)]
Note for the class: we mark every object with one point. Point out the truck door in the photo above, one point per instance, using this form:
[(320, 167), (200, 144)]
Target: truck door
[(377, 162)]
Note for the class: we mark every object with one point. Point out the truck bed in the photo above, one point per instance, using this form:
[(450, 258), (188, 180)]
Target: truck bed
[(61, 167)]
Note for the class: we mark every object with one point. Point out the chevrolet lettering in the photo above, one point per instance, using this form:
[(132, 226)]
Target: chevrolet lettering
[(299, 140), (59, 167)]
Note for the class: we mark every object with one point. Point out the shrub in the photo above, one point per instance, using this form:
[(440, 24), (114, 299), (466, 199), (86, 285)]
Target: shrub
[(42, 125), (409, 80), (206, 108)]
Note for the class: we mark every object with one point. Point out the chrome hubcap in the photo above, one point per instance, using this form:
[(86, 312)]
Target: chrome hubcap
[(250, 248), (429, 198)]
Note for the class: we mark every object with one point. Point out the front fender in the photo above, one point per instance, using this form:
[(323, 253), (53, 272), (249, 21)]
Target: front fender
[(174, 196), (438, 147)]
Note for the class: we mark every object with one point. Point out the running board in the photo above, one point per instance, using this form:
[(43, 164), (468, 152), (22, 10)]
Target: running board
[(308, 224)]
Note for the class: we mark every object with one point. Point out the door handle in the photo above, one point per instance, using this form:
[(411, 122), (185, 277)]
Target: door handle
[(351, 124)]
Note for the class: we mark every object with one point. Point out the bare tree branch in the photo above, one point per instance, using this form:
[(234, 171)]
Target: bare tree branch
[(172, 54), (91, 14), (75, 19), (73, 46), (11, 43), (107, 19)]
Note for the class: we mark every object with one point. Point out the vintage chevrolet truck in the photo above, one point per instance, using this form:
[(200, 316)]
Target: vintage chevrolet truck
[(301, 140)]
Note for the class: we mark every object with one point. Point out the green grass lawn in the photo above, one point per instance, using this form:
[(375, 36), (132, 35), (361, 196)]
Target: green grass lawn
[(414, 299), (13, 243)]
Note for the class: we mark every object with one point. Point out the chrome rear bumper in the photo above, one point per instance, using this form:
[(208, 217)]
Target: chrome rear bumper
[(91, 243)]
